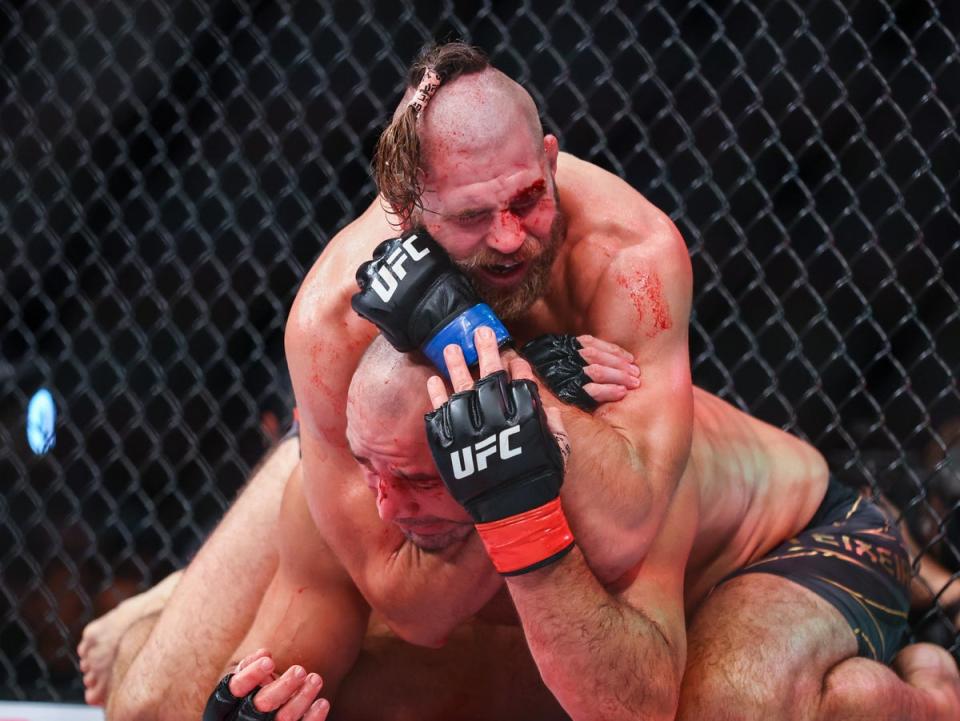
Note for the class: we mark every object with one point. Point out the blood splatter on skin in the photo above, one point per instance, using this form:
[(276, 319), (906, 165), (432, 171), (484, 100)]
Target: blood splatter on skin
[(318, 382), (317, 377), (646, 292), (510, 221), (528, 194)]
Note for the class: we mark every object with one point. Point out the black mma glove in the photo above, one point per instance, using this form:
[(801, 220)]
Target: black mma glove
[(419, 299), (500, 461), (224, 706), (557, 360)]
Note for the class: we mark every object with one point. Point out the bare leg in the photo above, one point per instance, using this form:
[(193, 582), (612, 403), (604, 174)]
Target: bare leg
[(101, 638), (923, 684), (212, 606), (130, 643), (762, 647)]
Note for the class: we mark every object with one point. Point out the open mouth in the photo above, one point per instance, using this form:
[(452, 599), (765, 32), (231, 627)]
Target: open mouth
[(503, 273)]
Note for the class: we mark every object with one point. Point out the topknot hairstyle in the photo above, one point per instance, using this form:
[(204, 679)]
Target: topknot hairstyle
[(397, 158)]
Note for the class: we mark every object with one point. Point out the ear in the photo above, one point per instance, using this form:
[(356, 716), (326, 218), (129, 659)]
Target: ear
[(551, 148)]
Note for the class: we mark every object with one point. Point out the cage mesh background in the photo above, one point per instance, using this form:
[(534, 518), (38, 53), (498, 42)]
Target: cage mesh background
[(168, 171)]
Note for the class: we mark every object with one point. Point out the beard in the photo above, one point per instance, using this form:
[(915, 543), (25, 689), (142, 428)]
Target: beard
[(511, 303)]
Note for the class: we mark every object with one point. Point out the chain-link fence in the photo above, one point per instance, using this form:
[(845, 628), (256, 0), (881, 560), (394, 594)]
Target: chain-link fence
[(168, 170)]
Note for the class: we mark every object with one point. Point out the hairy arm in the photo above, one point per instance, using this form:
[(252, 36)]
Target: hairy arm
[(613, 653)]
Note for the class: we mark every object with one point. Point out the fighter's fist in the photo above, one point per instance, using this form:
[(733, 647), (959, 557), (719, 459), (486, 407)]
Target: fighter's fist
[(502, 461), (252, 693), (419, 299)]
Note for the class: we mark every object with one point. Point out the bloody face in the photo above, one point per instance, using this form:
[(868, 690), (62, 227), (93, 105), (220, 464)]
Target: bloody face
[(397, 467), (498, 216)]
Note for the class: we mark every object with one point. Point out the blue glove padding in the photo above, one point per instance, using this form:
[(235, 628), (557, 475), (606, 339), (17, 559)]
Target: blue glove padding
[(412, 291)]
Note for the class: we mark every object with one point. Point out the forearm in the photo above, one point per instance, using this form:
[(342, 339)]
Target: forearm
[(619, 484), (601, 658)]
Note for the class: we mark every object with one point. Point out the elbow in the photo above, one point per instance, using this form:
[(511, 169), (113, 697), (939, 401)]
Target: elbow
[(625, 695), (657, 701)]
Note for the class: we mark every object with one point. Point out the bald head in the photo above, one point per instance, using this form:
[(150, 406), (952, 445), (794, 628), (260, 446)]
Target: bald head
[(389, 388)]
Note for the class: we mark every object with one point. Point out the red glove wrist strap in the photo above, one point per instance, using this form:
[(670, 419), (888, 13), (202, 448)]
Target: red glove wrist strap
[(517, 542)]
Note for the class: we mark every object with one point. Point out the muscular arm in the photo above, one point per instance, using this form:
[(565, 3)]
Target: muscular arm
[(324, 342), (628, 456), (612, 654)]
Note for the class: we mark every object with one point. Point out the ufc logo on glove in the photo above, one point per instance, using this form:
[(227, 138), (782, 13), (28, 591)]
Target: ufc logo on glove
[(497, 443), (424, 304), (389, 275), (515, 505)]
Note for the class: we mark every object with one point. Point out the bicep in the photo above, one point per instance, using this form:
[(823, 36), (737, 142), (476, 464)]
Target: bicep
[(642, 303), (323, 342)]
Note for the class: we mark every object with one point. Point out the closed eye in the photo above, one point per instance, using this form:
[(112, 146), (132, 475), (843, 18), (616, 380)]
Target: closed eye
[(426, 484), (469, 220)]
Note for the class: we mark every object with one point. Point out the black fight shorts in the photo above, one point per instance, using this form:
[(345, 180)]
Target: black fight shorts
[(851, 555)]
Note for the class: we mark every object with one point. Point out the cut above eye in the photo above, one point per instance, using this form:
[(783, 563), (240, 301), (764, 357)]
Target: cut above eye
[(524, 206), (425, 483)]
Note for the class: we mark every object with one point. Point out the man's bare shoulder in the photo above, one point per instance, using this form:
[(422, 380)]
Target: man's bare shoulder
[(324, 294), (614, 230), (601, 206)]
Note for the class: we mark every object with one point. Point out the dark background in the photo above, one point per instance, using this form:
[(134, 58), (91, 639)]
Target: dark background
[(169, 170)]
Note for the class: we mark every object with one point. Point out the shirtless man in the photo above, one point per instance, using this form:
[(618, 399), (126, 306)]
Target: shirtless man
[(557, 245), (603, 650), (579, 271)]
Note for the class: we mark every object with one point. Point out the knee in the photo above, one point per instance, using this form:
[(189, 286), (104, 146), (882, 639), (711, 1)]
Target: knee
[(708, 690), (857, 684), (746, 683)]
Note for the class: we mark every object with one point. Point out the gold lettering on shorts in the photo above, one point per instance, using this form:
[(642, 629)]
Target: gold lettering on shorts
[(865, 549), (826, 539)]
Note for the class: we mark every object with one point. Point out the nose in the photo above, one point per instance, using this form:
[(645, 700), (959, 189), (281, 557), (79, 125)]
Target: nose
[(395, 501), (507, 233)]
